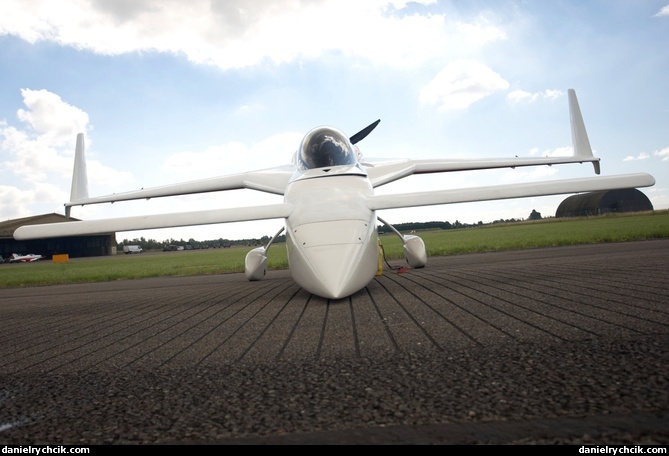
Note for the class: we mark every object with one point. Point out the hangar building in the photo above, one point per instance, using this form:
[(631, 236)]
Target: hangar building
[(75, 246), (604, 202)]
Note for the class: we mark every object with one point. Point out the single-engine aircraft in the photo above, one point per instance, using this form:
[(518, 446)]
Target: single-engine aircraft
[(29, 258), (329, 204)]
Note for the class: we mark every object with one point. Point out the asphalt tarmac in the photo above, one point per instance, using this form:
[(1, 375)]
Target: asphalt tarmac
[(565, 345)]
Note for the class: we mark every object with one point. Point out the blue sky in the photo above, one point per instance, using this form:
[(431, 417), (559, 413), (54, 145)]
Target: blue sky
[(168, 91)]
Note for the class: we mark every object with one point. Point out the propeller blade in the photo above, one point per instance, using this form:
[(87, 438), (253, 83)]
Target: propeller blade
[(359, 136)]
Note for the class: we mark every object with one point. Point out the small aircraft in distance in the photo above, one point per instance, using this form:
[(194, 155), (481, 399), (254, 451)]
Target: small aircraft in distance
[(329, 205), (29, 258)]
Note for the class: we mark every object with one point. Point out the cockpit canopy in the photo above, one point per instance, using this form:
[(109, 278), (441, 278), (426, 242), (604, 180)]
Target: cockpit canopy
[(323, 147)]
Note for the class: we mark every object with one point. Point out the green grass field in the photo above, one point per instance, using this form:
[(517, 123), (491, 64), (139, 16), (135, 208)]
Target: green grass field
[(522, 235)]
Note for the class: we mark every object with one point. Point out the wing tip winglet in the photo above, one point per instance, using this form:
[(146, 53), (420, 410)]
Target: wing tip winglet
[(579, 135), (79, 188)]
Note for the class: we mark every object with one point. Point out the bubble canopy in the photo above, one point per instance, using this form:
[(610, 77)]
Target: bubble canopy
[(323, 147)]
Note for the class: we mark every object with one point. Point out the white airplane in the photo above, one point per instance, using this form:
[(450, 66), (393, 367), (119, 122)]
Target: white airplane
[(329, 205), (29, 258)]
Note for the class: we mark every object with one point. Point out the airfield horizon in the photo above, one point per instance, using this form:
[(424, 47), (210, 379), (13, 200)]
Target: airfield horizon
[(550, 232)]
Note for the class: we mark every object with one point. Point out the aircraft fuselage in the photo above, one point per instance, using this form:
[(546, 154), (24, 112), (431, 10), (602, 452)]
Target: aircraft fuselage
[(332, 246)]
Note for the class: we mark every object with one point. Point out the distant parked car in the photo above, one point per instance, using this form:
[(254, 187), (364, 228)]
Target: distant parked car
[(170, 248)]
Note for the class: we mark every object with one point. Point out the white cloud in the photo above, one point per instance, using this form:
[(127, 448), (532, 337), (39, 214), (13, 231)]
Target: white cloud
[(529, 174), (664, 11), (51, 118), (460, 84), (40, 153), (240, 33), (13, 196), (641, 156), (662, 153), (232, 157), (481, 32), (518, 96), (565, 151), (32, 158)]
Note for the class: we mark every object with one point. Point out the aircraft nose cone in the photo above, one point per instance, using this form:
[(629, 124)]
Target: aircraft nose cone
[(333, 259), (338, 271)]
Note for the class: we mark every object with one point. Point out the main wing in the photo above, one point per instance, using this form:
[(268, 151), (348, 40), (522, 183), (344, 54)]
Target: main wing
[(271, 180), (384, 173), (144, 222), (497, 192), (381, 173)]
